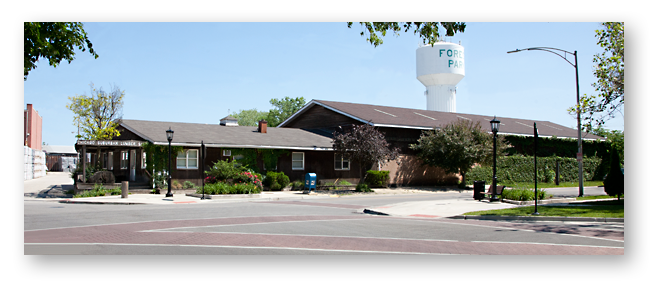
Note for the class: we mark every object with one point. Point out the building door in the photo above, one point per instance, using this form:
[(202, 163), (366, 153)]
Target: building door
[(132, 166)]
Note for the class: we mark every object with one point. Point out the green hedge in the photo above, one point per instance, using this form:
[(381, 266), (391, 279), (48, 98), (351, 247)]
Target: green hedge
[(221, 188), (521, 169), (377, 178), (276, 180)]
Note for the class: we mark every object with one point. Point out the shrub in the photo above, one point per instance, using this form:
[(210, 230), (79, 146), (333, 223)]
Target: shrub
[(276, 180), (377, 178), (363, 188), (209, 180), (249, 178), (223, 170), (188, 185), (523, 194), (221, 188), (176, 185), (614, 182), (297, 186), (98, 191)]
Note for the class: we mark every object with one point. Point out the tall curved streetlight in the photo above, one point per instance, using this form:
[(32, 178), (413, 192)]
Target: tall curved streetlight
[(575, 65)]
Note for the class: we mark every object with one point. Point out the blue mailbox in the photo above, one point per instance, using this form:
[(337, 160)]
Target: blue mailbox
[(310, 181)]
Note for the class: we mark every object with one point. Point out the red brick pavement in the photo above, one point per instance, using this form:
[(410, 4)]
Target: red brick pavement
[(134, 233)]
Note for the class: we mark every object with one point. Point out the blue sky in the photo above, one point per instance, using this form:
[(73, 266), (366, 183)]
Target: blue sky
[(198, 72)]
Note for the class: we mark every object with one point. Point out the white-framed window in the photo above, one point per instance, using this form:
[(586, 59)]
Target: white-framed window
[(226, 152), (341, 163), (297, 160), (144, 160), (188, 159), (124, 159)]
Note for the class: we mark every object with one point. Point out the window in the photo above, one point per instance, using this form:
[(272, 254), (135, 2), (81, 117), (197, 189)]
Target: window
[(124, 160), (341, 163), (297, 160), (226, 152), (105, 160), (144, 160), (188, 159), (110, 160)]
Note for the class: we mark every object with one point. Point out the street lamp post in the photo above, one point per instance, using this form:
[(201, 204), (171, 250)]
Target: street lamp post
[(170, 136), (536, 135), (575, 65), (495, 128)]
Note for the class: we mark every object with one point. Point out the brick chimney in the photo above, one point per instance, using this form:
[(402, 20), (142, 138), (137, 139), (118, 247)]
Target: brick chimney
[(261, 126)]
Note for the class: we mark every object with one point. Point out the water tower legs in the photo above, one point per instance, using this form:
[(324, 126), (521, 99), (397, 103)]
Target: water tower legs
[(441, 98)]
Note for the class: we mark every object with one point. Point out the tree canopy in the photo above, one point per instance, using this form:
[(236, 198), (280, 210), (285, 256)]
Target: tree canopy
[(428, 31), (97, 115), (457, 147), (54, 42), (250, 117), (609, 69), (284, 108), (365, 145)]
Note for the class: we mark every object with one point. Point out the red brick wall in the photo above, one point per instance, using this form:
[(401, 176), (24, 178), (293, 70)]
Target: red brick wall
[(33, 126)]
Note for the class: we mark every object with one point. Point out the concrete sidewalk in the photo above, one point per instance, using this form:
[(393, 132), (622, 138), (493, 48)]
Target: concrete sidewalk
[(53, 185), (189, 199)]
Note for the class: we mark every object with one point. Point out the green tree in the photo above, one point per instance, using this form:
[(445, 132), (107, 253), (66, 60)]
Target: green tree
[(97, 115), (428, 31), (365, 145), (54, 42), (614, 182), (250, 117), (610, 72), (615, 138), (457, 147), (284, 108)]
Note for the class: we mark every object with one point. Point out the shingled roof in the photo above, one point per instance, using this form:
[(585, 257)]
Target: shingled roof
[(387, 116), (191, 134)]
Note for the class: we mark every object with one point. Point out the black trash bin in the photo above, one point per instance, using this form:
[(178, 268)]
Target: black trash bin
[(479, 187)]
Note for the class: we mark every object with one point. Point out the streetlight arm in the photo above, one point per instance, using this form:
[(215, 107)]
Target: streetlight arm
[(548, 49)]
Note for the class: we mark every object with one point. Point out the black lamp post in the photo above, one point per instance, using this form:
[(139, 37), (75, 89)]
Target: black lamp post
[(170, 136), (495, 128), (203, 152), (575, 65)]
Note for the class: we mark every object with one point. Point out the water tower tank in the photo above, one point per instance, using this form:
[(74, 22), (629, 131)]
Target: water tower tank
[(440, 68)]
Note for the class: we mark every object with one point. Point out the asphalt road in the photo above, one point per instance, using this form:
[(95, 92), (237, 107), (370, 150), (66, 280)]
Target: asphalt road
[(313, 227)]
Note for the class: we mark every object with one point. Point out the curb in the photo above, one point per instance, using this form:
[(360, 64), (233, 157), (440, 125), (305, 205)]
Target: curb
[(97, 202), (538, 218)]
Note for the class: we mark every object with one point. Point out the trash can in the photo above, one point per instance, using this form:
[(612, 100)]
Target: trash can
[(479, 187), (310, 181)]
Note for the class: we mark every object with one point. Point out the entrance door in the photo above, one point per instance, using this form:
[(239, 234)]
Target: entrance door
[(132, 165)]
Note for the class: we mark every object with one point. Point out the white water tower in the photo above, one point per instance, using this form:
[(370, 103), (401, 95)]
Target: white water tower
[(440, 68)]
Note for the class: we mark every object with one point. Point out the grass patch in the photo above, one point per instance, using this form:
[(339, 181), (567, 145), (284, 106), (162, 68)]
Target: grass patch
[(99, 191), (540, 185), (600, 209), (597, 197)]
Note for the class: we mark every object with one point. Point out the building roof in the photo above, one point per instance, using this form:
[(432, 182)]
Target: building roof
[(213, 135), (387, 116), (62, 149)]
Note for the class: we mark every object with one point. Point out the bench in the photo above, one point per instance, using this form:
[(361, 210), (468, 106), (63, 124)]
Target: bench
[(488, 192)]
